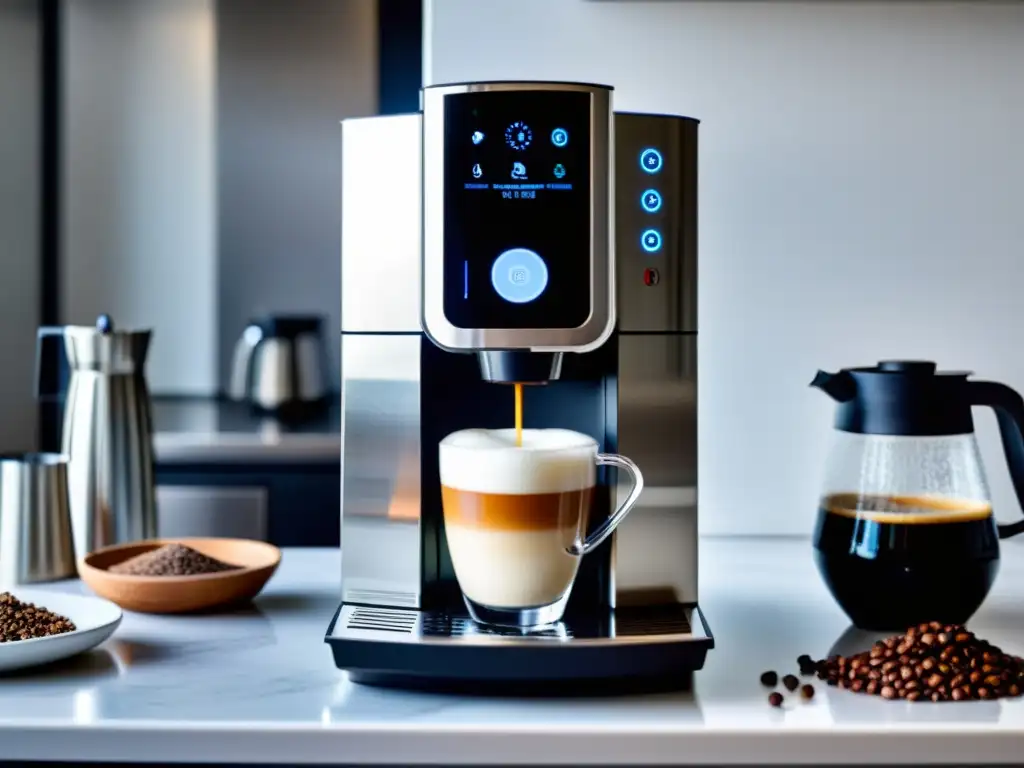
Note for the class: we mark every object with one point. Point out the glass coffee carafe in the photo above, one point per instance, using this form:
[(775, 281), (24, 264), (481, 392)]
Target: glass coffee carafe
[(905, 532)]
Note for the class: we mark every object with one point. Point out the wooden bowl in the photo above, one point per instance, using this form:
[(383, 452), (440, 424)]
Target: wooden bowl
[(182, 594)]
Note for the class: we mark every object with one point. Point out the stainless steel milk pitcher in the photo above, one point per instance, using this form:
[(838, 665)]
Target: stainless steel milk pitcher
[(107, 433), (36, 543)]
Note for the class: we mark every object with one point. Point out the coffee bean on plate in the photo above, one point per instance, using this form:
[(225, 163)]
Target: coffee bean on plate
[(775, 699), (791, 682), (806, 664), (25, 621), (770, 679), (929, 662), (807, 691)]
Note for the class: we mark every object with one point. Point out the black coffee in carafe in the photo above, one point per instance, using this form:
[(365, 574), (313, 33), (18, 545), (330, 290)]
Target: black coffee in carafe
[(894, 561), (905, 532)]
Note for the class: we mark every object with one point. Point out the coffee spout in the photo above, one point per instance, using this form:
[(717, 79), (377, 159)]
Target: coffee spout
[(839, 386), (519, 366)]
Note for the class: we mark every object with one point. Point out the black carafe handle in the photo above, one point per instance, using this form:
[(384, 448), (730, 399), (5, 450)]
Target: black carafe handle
[(1009, 408)]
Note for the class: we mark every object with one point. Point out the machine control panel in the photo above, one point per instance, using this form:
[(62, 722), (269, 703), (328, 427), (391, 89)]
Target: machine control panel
[(655, 229), (517, 216), (517, 209), (651, 162)]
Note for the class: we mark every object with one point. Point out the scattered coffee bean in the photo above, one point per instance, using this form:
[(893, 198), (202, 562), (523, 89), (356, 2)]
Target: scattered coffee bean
[(23, 621), (930, 662), (775, 699), (806, 664), (171, 560), (791, 682), (770, 679), (807, 691)]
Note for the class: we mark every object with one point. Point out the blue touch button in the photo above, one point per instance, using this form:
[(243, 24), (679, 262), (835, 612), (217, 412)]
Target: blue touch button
[(650, 200), (559, 137), (651, 240), (650, 160), (519, 275)]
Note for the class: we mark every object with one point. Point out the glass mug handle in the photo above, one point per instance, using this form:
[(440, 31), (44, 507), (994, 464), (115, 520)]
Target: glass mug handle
[(605, 529)]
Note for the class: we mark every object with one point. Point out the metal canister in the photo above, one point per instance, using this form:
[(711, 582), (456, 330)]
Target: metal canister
[(36, 542)]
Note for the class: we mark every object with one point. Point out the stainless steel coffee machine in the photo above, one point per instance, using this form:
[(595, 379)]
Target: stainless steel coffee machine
[(518, 232)]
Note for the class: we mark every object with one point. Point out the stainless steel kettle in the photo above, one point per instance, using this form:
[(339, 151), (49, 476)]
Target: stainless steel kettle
[(107, 433), (279, 366)]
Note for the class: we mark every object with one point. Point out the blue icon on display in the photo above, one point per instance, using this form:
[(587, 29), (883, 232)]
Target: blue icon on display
[(519, 275), (477, 172), (478, 136), (650, 160), (651, 240), (559, 171), (518, 171), (650, 200), (518, 135), (559, 137)]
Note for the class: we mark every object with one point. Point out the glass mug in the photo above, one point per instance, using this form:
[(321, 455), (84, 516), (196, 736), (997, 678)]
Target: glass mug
[(515, 518)]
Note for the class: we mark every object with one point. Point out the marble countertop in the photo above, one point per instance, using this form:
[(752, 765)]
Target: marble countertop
[(259, 686), (203, 431)]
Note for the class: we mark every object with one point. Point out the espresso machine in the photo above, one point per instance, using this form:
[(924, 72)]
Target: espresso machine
[(518, 232)]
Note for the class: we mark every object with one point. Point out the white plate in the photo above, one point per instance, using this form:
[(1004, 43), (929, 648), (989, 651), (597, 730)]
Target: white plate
[(95, 620)]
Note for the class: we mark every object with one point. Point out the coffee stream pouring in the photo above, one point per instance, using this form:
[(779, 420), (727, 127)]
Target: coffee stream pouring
[(905, 531)]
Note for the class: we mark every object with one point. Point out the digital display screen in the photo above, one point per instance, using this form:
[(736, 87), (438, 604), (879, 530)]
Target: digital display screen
[(517, 209)]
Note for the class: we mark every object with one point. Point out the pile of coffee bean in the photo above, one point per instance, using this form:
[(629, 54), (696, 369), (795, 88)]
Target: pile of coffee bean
[(171, 560), (23, 621), (930, 662), (770, 679)]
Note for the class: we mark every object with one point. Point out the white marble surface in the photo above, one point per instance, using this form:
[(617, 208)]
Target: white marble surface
[(260, 686)]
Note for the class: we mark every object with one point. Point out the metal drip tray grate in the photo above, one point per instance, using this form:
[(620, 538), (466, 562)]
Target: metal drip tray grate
[(442, 625), (672, 621), (382, 620), (643, 624)]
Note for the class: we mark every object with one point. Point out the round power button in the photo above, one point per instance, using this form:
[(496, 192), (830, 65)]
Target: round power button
[(519, 275), (651, 240), (650, 200), (650, 160)]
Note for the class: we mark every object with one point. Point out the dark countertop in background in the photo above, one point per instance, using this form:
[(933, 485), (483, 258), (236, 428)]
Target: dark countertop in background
[(200, 430)]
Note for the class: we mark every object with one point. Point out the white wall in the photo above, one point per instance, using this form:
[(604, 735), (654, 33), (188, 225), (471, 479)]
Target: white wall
[(139, 184), (861, 199), (19, 219)]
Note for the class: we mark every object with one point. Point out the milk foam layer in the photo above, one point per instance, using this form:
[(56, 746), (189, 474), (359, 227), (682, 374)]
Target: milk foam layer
[(488, 461), (503, 569)]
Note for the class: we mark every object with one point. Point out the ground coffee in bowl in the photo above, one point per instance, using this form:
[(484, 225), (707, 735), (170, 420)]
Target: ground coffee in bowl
[(171, 560)]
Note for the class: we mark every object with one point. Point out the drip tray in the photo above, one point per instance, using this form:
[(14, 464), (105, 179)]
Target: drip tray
[(651, 647), (671, 621)]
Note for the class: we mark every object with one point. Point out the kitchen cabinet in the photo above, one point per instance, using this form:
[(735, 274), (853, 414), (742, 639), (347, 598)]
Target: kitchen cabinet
[(237, 512), (288, 505)]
